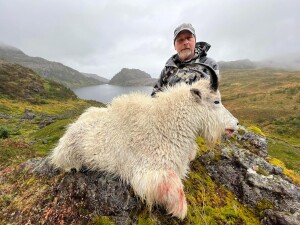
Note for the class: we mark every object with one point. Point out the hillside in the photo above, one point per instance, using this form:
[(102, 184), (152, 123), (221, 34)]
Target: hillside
[(264, 97), (132, 77), (270, 100), (50, 70), (95, 76), (33, 113), (18, 82)]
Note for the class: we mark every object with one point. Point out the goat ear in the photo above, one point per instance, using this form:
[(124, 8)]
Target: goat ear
[(196, 93)]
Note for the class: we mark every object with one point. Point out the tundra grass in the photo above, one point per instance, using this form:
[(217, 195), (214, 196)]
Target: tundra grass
[(287, 153), (267, 99), (25, 138)]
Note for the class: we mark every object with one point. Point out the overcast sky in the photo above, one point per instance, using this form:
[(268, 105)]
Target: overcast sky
[(104, 36)]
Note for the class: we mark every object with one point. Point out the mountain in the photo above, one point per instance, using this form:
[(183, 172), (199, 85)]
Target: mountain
[(22, 83), (95, 76), (289, 62), (238, 64), (51, 70), (132, 77)]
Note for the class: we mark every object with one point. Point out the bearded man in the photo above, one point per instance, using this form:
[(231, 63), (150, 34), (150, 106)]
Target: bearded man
[(189, 64)]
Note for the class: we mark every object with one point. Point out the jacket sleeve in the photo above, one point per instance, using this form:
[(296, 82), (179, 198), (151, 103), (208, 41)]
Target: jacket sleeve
[(159, 84)]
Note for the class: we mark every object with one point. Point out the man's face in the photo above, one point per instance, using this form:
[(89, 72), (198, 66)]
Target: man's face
[(185, 45)]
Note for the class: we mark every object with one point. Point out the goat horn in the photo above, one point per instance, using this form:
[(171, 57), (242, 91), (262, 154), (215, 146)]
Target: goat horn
[(214, 80)]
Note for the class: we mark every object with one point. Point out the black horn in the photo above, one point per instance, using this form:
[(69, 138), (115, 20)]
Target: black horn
[(214, 80)]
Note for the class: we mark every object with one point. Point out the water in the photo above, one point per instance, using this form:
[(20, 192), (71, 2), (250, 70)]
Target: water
[(105, 93)]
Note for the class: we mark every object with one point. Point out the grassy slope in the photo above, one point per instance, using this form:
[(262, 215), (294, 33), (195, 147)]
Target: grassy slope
[(21, 89), (26, 139), (270, 100)]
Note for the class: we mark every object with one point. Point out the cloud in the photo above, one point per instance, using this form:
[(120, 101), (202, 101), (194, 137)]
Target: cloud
[(104, 36)]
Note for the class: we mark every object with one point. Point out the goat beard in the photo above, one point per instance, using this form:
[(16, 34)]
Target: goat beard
[(185, 54)]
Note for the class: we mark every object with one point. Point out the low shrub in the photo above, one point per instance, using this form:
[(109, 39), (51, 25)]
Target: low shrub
[(4, 133)]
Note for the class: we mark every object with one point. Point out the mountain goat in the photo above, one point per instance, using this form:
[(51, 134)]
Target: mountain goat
[(148, 142)]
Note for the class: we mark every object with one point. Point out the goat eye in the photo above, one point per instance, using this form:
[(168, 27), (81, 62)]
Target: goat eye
[(217, 102)]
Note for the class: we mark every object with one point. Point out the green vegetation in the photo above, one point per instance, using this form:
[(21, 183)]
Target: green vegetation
[(18, 82), (103, 220), (263, 98), (290, 173), (264, 204), (256, 130), (4, 133), (208, 203), (24, 137), (287, 153)]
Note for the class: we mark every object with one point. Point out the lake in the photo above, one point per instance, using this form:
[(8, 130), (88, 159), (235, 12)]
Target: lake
[(105, 93)]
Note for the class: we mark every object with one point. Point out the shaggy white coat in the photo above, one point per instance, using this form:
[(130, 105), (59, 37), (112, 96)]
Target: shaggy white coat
[(148, 142)]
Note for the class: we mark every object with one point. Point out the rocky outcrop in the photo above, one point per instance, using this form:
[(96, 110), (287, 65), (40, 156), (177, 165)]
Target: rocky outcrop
[(92, 191), (240, 163), (242, 167)]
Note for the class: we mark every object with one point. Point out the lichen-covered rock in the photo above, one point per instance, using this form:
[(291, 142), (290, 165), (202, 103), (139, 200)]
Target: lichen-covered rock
[(273, 217), (244, 170)]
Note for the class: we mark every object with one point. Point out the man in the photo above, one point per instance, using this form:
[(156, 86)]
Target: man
[(189, 64)]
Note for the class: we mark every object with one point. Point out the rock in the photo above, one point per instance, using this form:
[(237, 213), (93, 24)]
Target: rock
[(280, 218), (4, 116), (28, 115), (254, 181), (47, 122), (253, 142), (93, 191), (42, 167)]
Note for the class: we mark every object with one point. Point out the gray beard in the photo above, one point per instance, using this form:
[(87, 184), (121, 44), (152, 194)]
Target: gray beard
[(184, 54)]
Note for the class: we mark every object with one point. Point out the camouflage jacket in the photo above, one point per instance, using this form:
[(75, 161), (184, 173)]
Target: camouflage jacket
[(189, 71)]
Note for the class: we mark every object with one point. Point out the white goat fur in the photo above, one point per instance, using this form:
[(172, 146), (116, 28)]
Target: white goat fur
[(148, 142)]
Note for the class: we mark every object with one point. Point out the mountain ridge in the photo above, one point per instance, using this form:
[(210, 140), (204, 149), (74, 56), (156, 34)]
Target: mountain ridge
[(51, 70), (284, 63), (97, 77)]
